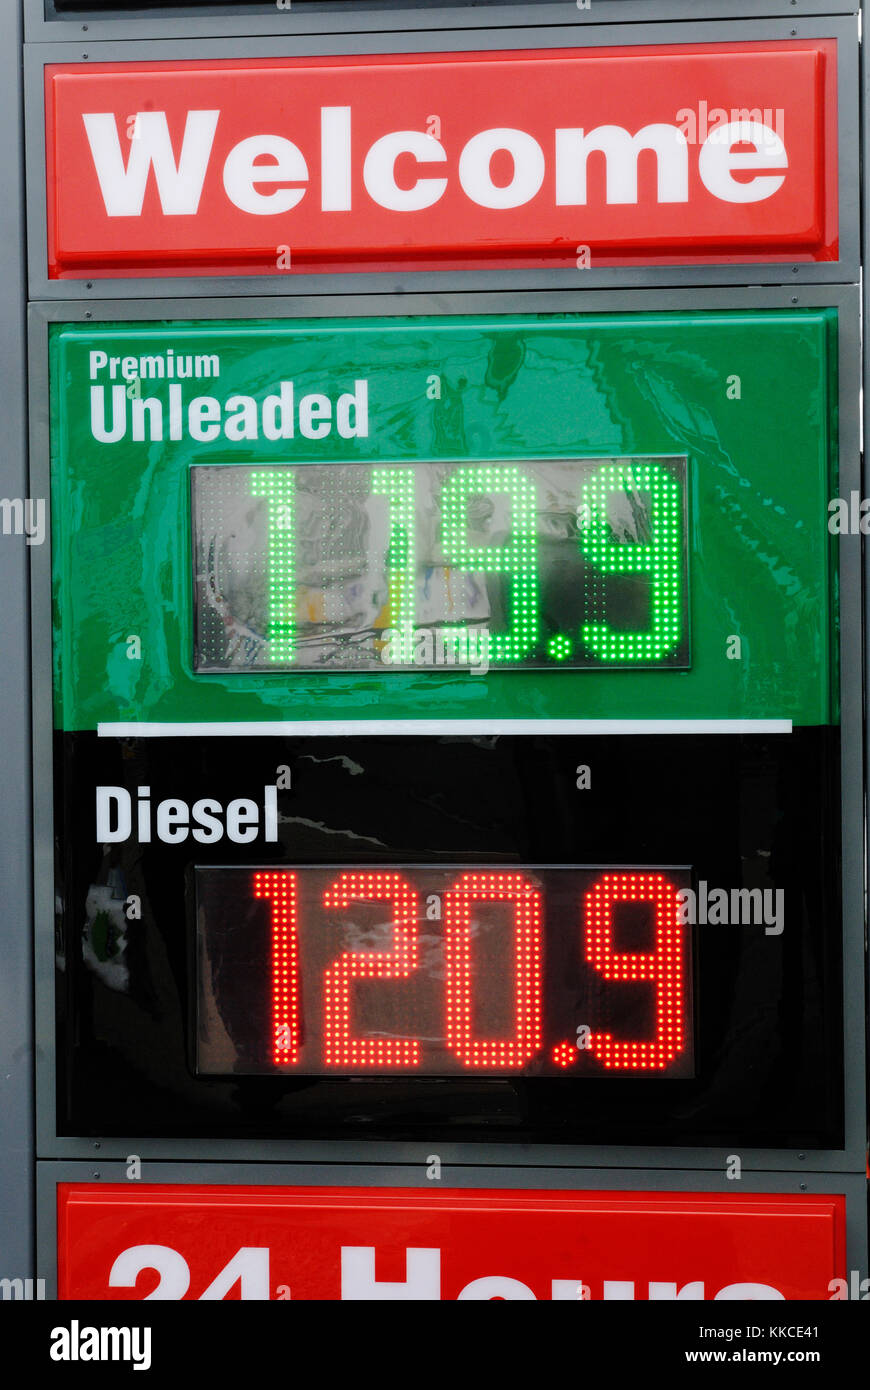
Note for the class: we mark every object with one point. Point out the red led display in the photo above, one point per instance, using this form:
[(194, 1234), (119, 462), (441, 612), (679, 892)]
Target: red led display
[(662, 966), (440, 971), (341, 1049), (280, 889), (514, 1052)]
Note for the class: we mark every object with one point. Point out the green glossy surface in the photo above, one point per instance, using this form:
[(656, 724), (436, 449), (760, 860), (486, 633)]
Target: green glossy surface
[(761, 469)]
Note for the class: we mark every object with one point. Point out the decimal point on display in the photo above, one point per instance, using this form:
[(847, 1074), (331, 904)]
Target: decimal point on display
[(565, 1054), (559, 647)]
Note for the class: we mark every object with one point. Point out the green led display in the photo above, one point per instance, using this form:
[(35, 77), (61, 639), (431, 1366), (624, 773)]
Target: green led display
[(278, 487), (398, 485), (517, 557), (434, 564), (660, 556)]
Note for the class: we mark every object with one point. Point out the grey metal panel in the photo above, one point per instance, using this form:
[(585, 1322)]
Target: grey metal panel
[(852, 737), (16, 1009), (43, 721), (524, 1157), (453, 1176), (402, 15), (846, 299), (865, 474), (842, 28)]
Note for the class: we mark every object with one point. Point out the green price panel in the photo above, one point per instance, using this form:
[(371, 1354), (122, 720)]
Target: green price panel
[(540, 518)]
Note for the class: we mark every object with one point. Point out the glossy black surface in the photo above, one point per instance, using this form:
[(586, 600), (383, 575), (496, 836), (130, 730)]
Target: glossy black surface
[(756, 811)]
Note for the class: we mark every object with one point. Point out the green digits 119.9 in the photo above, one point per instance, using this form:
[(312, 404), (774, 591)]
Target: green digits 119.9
[(630, 515), (649, 490), (518, 557)]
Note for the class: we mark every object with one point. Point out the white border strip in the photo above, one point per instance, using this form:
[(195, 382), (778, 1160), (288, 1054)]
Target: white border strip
[(290, 728)]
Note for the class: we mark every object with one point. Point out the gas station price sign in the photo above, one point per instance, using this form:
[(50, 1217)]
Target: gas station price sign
[(373, 522), (439, 971), (353, 567)]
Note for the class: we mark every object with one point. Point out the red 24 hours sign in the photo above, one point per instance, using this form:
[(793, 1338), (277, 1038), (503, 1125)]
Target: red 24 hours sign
[(201, 1242)]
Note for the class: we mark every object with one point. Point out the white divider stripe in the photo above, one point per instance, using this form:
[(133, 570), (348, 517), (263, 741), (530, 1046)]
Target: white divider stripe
[(320, 728)]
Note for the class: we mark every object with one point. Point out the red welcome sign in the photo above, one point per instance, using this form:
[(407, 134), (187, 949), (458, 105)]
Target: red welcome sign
[(214, 1242), (666, 154)]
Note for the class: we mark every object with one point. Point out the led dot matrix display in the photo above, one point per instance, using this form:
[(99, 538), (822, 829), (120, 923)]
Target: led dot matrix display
[(577, 563), (443, 971)]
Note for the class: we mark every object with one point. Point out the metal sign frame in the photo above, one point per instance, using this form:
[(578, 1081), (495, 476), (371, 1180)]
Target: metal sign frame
[(357, 16), (206, 46), (16, 977), (347, 29), (412, 1174), (845, 299)]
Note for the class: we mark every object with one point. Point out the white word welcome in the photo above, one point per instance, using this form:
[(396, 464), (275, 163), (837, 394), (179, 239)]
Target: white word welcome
[(253, 186)]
